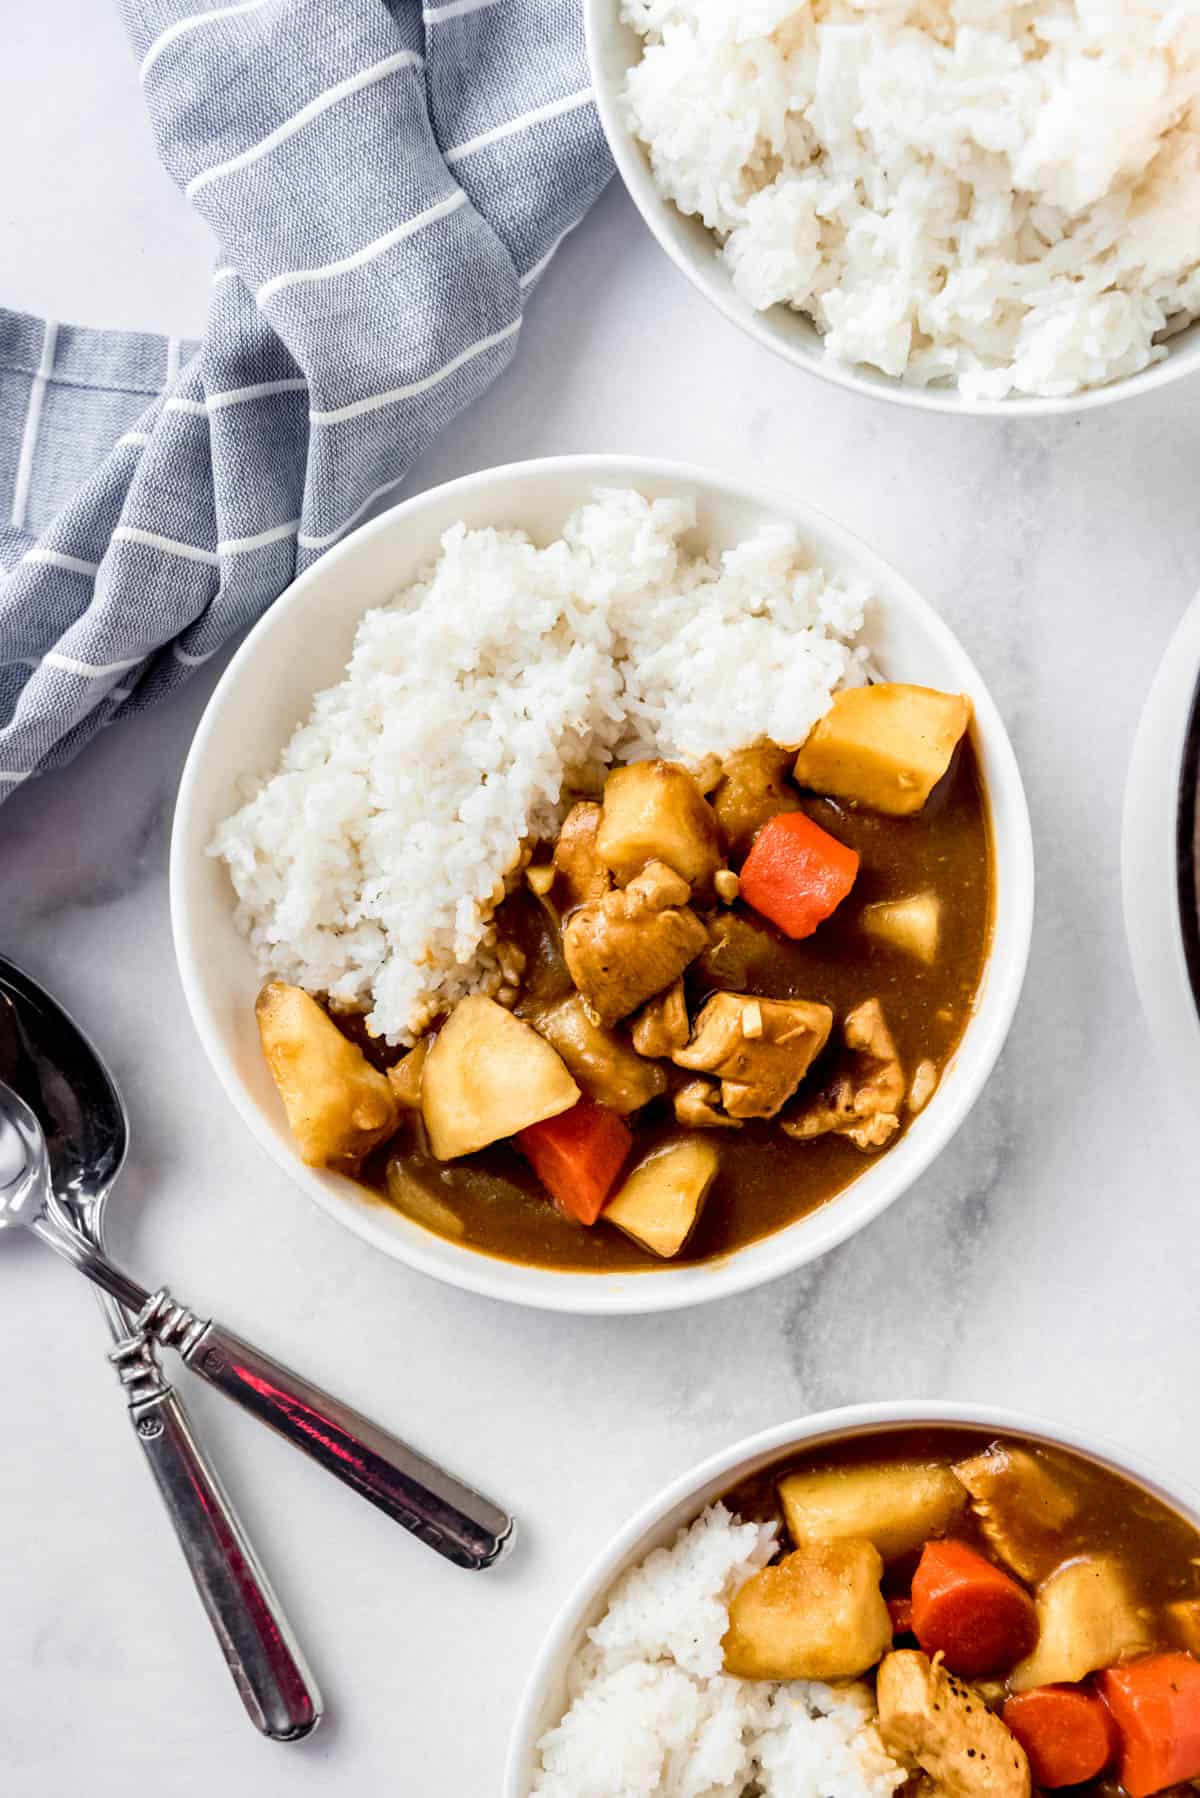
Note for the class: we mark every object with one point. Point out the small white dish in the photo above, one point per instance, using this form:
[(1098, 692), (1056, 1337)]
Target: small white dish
[(1158, 854), (655, 1525), (613, 49), (302, 644)]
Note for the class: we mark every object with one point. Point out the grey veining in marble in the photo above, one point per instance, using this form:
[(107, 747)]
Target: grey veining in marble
[(1047, 1261)]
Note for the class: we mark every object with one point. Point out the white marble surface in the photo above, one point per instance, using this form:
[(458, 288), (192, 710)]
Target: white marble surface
[(1048, 1261)]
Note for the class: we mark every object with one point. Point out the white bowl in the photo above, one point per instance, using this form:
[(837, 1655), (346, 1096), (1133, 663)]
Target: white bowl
[(613, 49), (545, 1697), (1158, 864), (303, 643)]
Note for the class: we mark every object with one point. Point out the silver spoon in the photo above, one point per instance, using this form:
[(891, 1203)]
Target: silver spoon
[(451, 1517), (84, 1122)]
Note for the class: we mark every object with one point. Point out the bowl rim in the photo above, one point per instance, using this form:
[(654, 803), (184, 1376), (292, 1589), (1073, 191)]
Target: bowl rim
[(1158, 874), (655, 1289), (634, 1537), (707, 277)]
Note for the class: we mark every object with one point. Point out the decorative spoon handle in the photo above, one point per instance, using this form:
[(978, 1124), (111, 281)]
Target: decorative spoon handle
[(449, 1516), (268, 1668)]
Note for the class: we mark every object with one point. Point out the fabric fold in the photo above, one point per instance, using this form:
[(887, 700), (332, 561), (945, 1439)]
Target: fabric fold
[(386, 186)]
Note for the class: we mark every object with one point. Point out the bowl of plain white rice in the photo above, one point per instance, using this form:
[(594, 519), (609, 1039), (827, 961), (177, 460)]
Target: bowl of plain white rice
[(628, 1697), (336, 829), (967, 205)]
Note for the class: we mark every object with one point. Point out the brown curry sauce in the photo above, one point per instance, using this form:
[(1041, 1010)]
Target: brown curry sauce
[(767, 1180), (1158, 1549)]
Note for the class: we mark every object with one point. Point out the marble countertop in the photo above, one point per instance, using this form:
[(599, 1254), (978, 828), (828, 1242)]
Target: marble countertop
[(1046, 1262)]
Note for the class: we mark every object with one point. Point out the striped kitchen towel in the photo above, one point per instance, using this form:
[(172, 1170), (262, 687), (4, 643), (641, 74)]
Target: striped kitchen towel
[(386, 183)]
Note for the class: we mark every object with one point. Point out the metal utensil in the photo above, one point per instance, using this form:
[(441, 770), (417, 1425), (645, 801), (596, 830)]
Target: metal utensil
[(51, 1062), (451, 1517)]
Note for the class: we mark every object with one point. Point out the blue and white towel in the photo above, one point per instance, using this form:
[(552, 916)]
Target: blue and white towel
[(386, 183)]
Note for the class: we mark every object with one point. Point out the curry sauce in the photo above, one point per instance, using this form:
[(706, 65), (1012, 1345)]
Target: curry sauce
[(767, 1179)]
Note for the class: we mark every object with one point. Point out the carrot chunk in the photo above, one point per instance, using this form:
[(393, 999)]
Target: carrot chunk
[(796, 874), (970, 1611), (1067, 1732), (577, 1156), (1155, 1704)]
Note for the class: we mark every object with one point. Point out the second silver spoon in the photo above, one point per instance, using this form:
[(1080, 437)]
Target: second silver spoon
[(447, 1515)]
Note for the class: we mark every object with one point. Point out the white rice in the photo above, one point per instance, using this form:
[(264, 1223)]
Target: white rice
[(653, 1716), (1006, 196), (368, 865)]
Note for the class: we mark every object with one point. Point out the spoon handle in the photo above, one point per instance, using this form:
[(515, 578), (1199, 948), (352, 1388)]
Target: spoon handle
[(268, 1668), (275, 1685), (452, 1518), (440, 1510)]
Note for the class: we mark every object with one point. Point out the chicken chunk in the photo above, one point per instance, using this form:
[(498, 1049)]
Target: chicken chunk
[(626, 947), (1087, 1619), (1020, 1506), (760, 1048), (654, 811), (338, 1106), (698, 1105), (817, 1614), (753, 787), (929, 1716), (739, 955), (662, 1024), (864, 1102), (577, 861), (603, 1065), (406, 1076)]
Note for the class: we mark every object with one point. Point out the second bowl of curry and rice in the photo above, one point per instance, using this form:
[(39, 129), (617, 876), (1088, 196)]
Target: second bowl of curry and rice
[(604, 887), (890, 1599)]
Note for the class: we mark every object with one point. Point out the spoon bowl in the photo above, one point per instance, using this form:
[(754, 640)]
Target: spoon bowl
[(24, 1165), (442, 1511), (46, 1057)]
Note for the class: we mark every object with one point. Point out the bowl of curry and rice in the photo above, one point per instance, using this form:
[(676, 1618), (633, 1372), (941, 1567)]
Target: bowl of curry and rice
[(602, 885), (885, 1600)]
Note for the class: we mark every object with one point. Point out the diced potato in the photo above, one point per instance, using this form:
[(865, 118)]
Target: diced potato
[(405, 1078), (1022, 1509), (885, 746), (817, 1614), (410, 1194), (654, 811), (1182, 1618), (660, 1200), (1087, 1619), (897, 1505), (338, 1106), (487, 1076), (913, 925), (606, 1068), (754, 787)]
